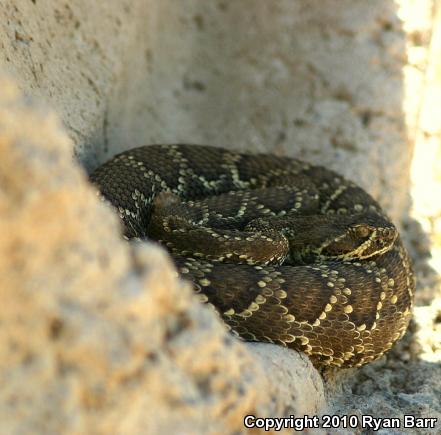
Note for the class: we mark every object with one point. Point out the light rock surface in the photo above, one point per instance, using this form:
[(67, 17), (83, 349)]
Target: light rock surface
[(100, 337), (322, 81)]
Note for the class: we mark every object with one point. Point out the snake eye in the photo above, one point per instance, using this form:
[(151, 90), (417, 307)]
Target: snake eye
[(362, 231)]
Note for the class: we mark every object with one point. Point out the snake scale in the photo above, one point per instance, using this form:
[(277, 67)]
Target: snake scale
[(287, 252)]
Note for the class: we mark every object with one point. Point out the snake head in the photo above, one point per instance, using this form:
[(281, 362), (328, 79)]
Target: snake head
[(372, 236)]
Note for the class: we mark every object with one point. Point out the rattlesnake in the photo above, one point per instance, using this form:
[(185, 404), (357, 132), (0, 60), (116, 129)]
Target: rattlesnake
[(287, 252)]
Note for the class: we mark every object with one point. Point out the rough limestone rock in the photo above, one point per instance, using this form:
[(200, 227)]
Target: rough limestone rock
[(99, 336), (102, 337), (319, 81)]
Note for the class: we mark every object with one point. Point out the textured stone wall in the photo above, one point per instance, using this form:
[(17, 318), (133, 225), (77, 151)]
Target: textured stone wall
[(101, 337), (320, 80)]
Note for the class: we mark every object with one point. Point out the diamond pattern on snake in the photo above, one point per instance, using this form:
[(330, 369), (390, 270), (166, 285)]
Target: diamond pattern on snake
[(287, 252)]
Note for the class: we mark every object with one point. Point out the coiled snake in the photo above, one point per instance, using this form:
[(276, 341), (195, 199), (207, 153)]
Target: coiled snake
[(287, 252)]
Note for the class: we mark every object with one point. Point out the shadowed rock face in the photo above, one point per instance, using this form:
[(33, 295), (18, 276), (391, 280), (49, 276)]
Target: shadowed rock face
[(98, 337)]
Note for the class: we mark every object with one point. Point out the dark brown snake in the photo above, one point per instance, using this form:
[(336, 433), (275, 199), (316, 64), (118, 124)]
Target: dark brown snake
[(287, 252)]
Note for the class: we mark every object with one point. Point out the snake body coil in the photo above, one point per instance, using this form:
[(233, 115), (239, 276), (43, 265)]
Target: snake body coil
[(287, 252)]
